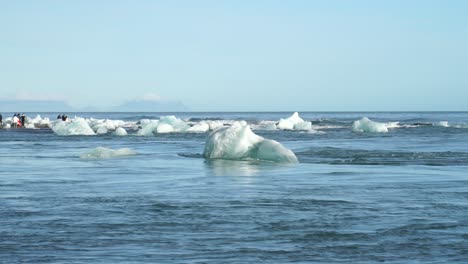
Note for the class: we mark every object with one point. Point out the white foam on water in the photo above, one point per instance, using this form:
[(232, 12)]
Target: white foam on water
[(460, 126), (238, 142), (294, 122), (107, 153), (446, 124), (443, 124), (120, 132), (390, 125), (77, 126), (365, 125)]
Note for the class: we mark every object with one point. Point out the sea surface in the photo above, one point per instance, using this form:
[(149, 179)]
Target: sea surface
[(395, 197)]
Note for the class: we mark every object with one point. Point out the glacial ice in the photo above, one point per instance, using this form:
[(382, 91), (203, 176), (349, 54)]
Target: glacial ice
[(177, 124), (199, 127), (107, 153), (166, 124), (294, 122), (265, 125), (164, 128), (38, 121), (147, 127), (120, 132), (78, 126), (102, 130), (238, 142), (214, 124), (365, 125)]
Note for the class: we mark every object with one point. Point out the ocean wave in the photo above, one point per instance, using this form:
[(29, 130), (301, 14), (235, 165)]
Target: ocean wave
[(446, 124), (337, 156)]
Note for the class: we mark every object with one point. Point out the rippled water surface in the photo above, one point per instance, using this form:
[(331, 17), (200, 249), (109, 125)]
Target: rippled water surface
[(398, 197)]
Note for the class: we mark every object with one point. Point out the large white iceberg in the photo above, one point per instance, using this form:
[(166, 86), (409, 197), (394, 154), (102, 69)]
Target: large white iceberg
[(238, 142), (78, 126), (365, 125), (107, 153), (294, 122)]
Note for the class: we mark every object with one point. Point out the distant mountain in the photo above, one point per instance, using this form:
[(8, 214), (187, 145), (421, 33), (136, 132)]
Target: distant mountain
[(15, 105), (150, 106)]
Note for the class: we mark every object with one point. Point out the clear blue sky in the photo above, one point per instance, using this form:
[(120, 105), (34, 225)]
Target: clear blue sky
[(239, 55)]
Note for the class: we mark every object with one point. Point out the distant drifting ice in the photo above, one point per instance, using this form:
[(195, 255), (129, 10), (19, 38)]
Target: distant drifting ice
[(172, 124), (368, 126), (107, 153), (238, 142)]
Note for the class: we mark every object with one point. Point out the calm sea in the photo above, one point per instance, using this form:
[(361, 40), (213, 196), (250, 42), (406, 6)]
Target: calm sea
[(395, 197)]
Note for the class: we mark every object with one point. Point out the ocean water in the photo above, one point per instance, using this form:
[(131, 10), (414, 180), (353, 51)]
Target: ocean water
[(395, 197)]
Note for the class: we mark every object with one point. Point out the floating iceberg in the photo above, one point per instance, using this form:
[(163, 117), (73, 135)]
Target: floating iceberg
[(102, 130), (120, 132), (38, 122), (200, 127), (365, 125), (166, 124), (77, 126), (214, 124), (265, 125), (238, 142), (171, 124), (147, 127), (107, 153), (294, 122), (164, 128)]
